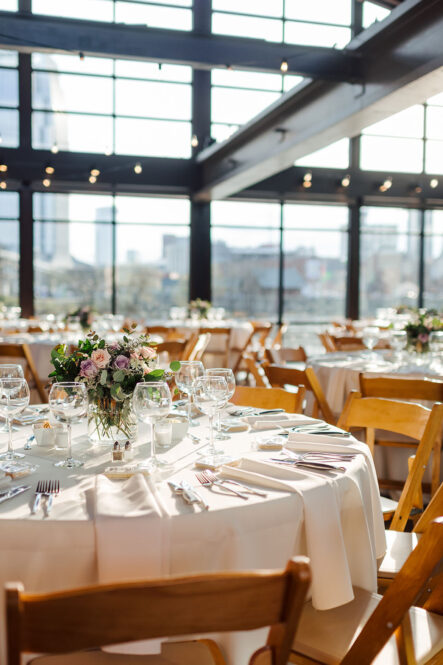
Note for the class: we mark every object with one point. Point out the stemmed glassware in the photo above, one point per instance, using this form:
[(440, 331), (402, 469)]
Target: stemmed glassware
[(211, 394), (189, 371), (68, 401), (10, 372), (228, 375), (371, 335), (151, 402), (14, 397), (436, 349), (398, 342)]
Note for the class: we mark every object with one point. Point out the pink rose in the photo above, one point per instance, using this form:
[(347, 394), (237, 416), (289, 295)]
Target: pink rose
[(147, 352), (101, 358)]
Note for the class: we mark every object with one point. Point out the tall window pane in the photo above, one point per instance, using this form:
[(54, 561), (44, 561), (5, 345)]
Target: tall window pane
[(373, 13), (9, 248), (389, 251), (153, 16), (245, 241), (9, 120), (433, 250), (334, 156), (152, 249), (72, 252), (94, 10), (315, 244)]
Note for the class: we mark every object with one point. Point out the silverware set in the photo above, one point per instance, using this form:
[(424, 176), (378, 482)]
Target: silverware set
[(207, 478), (320, 462), (188, 493), (250, 411), (47, 489), (317, 429)]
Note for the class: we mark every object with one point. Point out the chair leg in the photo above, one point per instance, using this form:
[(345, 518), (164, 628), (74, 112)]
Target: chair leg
[(435, 468)]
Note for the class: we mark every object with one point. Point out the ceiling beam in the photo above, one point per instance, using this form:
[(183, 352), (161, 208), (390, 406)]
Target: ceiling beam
[(403, 65), (27, 32)]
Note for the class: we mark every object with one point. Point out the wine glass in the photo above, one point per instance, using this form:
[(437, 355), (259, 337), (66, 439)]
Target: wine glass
[(68, 401), (14, 397), (10, 372), (151, 402), (370, 337), (189, 371), (228, 375), (436, 348), (210, 395), (398, 342)]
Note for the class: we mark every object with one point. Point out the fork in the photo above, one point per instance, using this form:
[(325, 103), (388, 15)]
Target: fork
[(52, 488), (38, 495), (206, 482), (213, 478)]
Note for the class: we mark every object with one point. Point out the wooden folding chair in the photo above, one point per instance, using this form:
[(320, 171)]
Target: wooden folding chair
[(399, 544), (91, 617), (254, 344), (383, 630), (174, 349), (196, 346), (327, 341), (280, 375), (255, 370), (277, 342), (223, 337), (167, 333), (404, 418), (23, 352), (411, 389), (270, 398), (285, 355)]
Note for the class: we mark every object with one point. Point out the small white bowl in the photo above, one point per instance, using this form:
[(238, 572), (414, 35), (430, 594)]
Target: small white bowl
[(179, 427), (44, 436)]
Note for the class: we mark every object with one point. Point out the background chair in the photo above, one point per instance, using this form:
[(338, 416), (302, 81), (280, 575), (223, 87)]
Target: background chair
[(404, 418), (279, 375), (196, 346), (174, 349), (23, 352), (270, 398), (279, 356), (222, 340), (91, 617), (360, 632), (420, 390)]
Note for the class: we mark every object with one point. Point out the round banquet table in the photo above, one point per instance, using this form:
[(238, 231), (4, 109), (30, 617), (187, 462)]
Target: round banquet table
[(102, 530)]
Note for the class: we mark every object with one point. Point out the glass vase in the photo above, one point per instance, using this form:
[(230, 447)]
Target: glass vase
[(110, 421)]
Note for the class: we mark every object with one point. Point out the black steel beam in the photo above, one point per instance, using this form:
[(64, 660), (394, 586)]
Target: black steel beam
[(353, 272), (200, 252), (28, 33), (26, 266), (403, 58)]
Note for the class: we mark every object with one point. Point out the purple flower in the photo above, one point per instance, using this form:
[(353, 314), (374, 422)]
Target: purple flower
[(121, 362), (114, 346), (423, 337), (88, 368)]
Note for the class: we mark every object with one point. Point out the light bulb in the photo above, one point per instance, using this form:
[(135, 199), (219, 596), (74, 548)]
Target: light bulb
[(284, 66), (138, 168), (92, 179), (433, 183), (54, 149), (49, 169), (46, 182), (95, 172)]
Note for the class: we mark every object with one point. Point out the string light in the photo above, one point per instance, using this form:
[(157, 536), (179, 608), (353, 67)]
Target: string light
[(346, 181), (194, 141), (49, 169), (418, 189), (46, 182), (433, 183), (284, 66), (3, 184), (108, 151), (387, 184), (138, 168), (3, 168), (95, 172), (54, 149), (92, 179), (81, 55)]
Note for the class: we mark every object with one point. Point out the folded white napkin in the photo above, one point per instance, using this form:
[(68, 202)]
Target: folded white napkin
[(331, 574), (276, 420), (299, 442), (132, 537)]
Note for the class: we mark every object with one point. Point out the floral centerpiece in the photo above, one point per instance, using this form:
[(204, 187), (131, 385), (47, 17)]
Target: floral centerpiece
[(110, 372), (199, 308), (85, 316), (419, 328)]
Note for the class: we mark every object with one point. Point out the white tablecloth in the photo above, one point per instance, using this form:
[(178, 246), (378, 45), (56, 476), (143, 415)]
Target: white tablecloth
[(64, 550)]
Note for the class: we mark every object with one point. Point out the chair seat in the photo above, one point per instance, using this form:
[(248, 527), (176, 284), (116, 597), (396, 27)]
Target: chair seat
[(327, 635), (399, 545), (388, 505), (192, 652)]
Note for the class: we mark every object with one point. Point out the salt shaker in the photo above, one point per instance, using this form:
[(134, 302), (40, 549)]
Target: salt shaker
[(129, 451), (117, 453)]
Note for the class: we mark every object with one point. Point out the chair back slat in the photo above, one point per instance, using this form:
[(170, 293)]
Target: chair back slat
[(401, 388), (23, 352), (270, 398), (88, 618)]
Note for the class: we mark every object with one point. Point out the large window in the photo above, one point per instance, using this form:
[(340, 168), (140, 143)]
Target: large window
[(105, 106), (9, 128), (238, 96), (313, 23), (434, 135), (334, 156), (245, 239), (315, 242), (389, 258), (152, 255), (172, 14), (9, 248), (373, 13), (76, 237), (433, 256)]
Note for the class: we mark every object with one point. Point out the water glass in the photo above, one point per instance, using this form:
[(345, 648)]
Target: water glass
[(398, 341), (370, 337), (189, 371), (14, 397), (211, 394), (152, 402), (228, 375), (10, 371), (436, 348), (68, 401)]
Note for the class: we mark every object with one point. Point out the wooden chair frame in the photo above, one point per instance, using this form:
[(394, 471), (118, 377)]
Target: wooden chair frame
[(284, 354), (24, 352), (270, 398), (174, 348), (280, 375), (214, 332), (404, 418), (92, 617), (430, 390), (196, 346), (391, 614), (255, 369)]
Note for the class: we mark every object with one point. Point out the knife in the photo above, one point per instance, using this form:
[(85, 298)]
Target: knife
[(188, 488), (179, 490), (10, 493)]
